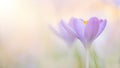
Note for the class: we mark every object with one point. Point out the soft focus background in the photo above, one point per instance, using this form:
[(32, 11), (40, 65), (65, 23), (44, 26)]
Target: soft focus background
[(26, 40)]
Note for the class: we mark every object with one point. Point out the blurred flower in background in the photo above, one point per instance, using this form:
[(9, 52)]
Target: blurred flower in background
[(117, 2), (113, 2), (65, 31)]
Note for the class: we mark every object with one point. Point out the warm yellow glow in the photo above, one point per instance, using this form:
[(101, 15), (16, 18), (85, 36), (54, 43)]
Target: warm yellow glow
[(85, 22)]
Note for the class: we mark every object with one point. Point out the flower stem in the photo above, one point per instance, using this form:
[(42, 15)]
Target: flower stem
[(87, 58)]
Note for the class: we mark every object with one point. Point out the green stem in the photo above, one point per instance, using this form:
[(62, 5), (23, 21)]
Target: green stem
[(87, 58)]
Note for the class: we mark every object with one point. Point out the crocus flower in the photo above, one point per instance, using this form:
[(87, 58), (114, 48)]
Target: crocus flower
[(65, 32), (88, 31), (85, 31)]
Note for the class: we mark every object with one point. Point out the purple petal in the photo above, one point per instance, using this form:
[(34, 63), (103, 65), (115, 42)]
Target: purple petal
[(91, 29), (79, 27), (101, 27)]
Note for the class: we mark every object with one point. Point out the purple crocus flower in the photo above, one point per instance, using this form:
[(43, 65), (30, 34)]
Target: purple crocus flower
[(85, 31), (65, 31), (88, 31)]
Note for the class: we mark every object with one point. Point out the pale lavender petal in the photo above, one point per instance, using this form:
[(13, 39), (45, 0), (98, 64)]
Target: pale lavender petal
[(102, 25), (69, 29), (79, 27), (55, 31), (66, 34), (72, 22), (91, 29)]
